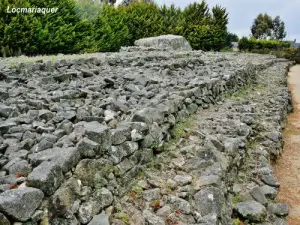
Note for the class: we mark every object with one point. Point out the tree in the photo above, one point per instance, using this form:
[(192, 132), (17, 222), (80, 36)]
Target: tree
[(265, 27), (262, 26), (278, 29), (172, 19), (232, 37)]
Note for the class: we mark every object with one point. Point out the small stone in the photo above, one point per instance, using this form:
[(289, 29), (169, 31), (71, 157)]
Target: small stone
[(5, 110), (100, 219), (270, 180), (152, 194), (279, 209), (180, 204), (98, 133), (251, 210), (269, 192), (103, 198), (183, 179), (136, 136), (259, 195), (207, 180), (209, 200), (85, 212), (88, 148), (152, 219), (109, 115)]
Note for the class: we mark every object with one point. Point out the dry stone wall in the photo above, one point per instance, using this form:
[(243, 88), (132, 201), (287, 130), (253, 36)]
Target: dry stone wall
[(74, 133)]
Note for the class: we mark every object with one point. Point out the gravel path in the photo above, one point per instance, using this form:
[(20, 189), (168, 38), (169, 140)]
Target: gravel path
[(288, 167)]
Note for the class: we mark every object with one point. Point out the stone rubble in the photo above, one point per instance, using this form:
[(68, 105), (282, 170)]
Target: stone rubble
[(79, 139)]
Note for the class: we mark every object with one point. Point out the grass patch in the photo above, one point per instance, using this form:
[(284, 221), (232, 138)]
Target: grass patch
[(237, 221), (237, 199), (123, 217)]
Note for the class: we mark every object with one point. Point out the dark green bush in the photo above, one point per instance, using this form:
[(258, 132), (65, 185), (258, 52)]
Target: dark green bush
[(80, 27)]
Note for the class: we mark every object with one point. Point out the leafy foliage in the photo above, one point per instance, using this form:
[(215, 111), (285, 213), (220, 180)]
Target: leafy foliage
[(251, 44), (111, 31), (88, 26), (265, 27)]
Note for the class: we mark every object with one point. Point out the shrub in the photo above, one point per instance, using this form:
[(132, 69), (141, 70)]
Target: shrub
[(252, 43), (79, 26), (111, 31), (143, 20)]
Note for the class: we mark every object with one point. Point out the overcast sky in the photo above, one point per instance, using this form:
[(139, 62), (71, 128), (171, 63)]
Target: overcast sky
[(243, 12)]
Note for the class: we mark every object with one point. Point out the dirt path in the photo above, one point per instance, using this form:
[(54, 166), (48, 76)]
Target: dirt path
[(287, 168)]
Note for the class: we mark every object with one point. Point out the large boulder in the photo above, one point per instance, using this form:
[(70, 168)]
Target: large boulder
[(173, 42)]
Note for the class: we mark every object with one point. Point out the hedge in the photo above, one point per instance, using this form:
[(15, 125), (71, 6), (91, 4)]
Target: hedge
[(106, 28), (251, 44)]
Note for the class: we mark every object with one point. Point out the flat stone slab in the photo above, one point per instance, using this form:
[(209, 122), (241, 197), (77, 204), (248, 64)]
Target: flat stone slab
[(20, 204), (174, 42)]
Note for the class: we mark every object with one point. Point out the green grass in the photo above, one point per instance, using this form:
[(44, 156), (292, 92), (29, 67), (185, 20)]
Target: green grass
[(123, 217), (237, 199)]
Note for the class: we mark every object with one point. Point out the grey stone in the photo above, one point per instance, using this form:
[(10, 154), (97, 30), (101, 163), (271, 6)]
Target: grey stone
[(43, 145), (66, 158), (66, 115), (17, 166), (231, 145), (152, 219), (89, 170), (5, 110), (183, 179), (81, 113), (117, 153), (270, 180), (269, 192), (259, 195), (279, 209), (248, 120), (65, 76), (280, 221), (88, 148), (180, 204), (244, 130), (85, 212), (152, 194), (5, 126), (192, 108), (47, 177), (173, 42), (46, 114), (120, 135), (148, 116), (103, 198), (100, 219), (210, 219), (21, 203), (98, 133), (64, 200), (207, 180), (251, 210), (209, 200), (109, 115), (136, 136)]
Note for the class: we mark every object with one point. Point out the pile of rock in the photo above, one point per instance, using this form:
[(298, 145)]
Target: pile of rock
[(74, 133)]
